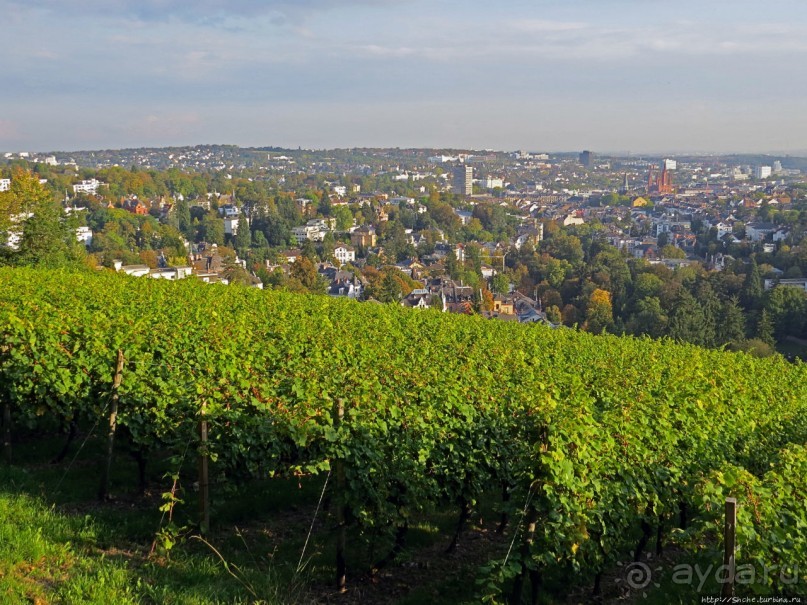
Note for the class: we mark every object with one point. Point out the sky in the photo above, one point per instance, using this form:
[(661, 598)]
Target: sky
[(634, 76)]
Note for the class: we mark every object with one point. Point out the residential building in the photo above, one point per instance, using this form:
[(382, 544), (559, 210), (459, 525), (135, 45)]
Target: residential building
[(231, 225), (314, 230), (229, 211), (289, 255), (344, 254), (573, 218), (5, 184), (464, 215), (463, 180), (84, 235), (363, 237), (135, 270), (87, 186), (800, 282), (756, 232), (762, 172), (171, 273), (529, 235)]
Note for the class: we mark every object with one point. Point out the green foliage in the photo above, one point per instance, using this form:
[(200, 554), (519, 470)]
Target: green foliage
[(787, 308), (601, 432), (45, 557), (771, 522)]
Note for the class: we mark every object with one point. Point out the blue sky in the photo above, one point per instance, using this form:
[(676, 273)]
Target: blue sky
[(616, 75)]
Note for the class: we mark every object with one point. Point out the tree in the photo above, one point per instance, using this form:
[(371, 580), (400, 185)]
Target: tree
[(731, 326), (344, 219), (452, 265), (212, 229), (566, 247), (670, 251), (764, 331), (324, 207), (45, 240), (553, 314), (183, 217), (45, 237), (686, 319), (787, 307), (309, 251), (751, 294), (304, 272), (243, 238), (649, 318), (599, 312), (25, 195), (500, 283), (487, 300), (259, 240), (711, 309), (646, 285)]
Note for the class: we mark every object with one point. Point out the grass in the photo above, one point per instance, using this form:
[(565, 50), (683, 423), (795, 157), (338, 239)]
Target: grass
[(48, 557), (58, 545), (53, 557), (61, 546)]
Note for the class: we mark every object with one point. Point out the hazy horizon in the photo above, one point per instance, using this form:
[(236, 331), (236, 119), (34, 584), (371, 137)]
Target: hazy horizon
[(650, 77)]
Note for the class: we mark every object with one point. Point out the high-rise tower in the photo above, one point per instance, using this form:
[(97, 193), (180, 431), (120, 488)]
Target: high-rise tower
[(464, 180)]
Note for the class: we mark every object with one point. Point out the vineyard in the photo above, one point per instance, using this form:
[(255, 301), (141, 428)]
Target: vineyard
[(594, 446)]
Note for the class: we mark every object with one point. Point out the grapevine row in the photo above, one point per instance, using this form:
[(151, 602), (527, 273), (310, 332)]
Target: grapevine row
[(603, 437)]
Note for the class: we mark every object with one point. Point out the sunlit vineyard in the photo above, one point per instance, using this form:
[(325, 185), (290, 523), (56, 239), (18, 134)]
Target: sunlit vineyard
[(592, 441)]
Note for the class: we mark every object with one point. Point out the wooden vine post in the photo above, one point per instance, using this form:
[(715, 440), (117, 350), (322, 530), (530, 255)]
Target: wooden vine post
[(103, 490), (7, 432), (204, 478), (6, 421), (730, 545), (341, 566)]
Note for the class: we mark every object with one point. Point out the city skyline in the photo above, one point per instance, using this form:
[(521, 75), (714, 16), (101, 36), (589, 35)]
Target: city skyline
[(559, 76)]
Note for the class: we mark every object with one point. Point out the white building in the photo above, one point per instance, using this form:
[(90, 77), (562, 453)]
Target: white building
[(229, 211), (84, 235), (135, 270), (314, 230), (14, 234), (762, 172), (400, 199), (573, 219), (800, 282), (5, 184), (492, 183), (171, 273), (344, 254), (757, 232), (231, 225), (89, 186), (464, 215), (723, 229), (669, 164)]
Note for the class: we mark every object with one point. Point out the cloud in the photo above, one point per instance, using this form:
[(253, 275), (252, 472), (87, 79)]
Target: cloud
[(208, 12), (534, 26)]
